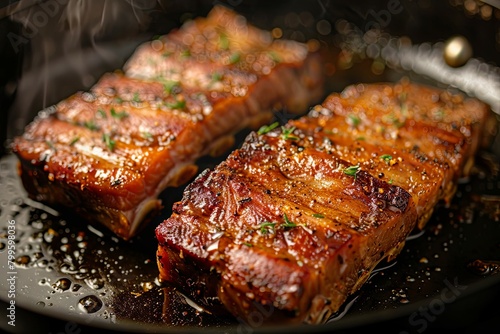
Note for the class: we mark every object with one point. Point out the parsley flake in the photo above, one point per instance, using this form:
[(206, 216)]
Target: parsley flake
[(288, 223), (110, 143), (352, 170), (234, 58), (287, 133), (136, 98), (266, 128), (178, 104), (91, 125), (74, 140), (354, 120), (118, 115), (386, 157), (266, 226), (101, 113), (223, 42)]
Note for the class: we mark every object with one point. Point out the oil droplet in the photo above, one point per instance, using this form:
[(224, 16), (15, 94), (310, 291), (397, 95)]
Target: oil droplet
[(49, 235), (76, 287), (2, 246), (95, 283), (23, 260), (41, 304), (90, 304), (42, 263), (62, 284), (38, 255)]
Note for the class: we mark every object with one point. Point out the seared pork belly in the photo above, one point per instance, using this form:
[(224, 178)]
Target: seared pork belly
[(418, 137), (109, 152), (293, 222)]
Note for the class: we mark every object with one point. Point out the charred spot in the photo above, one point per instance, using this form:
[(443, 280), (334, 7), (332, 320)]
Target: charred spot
[(244, 200), (116, 182), (340, 259)]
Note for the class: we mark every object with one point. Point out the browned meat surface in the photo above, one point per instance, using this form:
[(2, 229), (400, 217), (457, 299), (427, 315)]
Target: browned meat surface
[(417, 137), (293, 222), (109, 152)]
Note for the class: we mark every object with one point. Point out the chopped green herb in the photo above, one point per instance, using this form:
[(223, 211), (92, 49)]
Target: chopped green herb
[(186, 53), (166, 54), (110, 143), (360, 138), (275, 57), (266, 128), (247, 244), (118, 115), (392, 118), (223, 42), (398, 123), (101, 113), (386, 157), (178, 104), (136, 98), (91, 125), (50, 144), (287, 223), (402, 103), (404, 109), (354, 120), (170, 85), (118, 100), (147, 135), (318, 215), (391, 181), (438, 114), (352, 170), (234, 58), (74, 140), (216, 76), (287, 133), (265, 226)]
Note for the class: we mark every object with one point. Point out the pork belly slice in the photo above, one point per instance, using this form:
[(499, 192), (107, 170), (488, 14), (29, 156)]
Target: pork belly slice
[(293, 223), (224, 54), (415, 136), (109, 152), (284, 226)]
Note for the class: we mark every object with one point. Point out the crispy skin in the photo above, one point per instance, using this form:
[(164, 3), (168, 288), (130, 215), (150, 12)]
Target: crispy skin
[(109, 152), (229, 242)]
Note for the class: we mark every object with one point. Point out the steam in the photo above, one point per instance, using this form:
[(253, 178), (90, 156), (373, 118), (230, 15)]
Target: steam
[(66, 45)]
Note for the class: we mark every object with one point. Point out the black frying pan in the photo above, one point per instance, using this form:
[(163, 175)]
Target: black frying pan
[(72, 277)]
